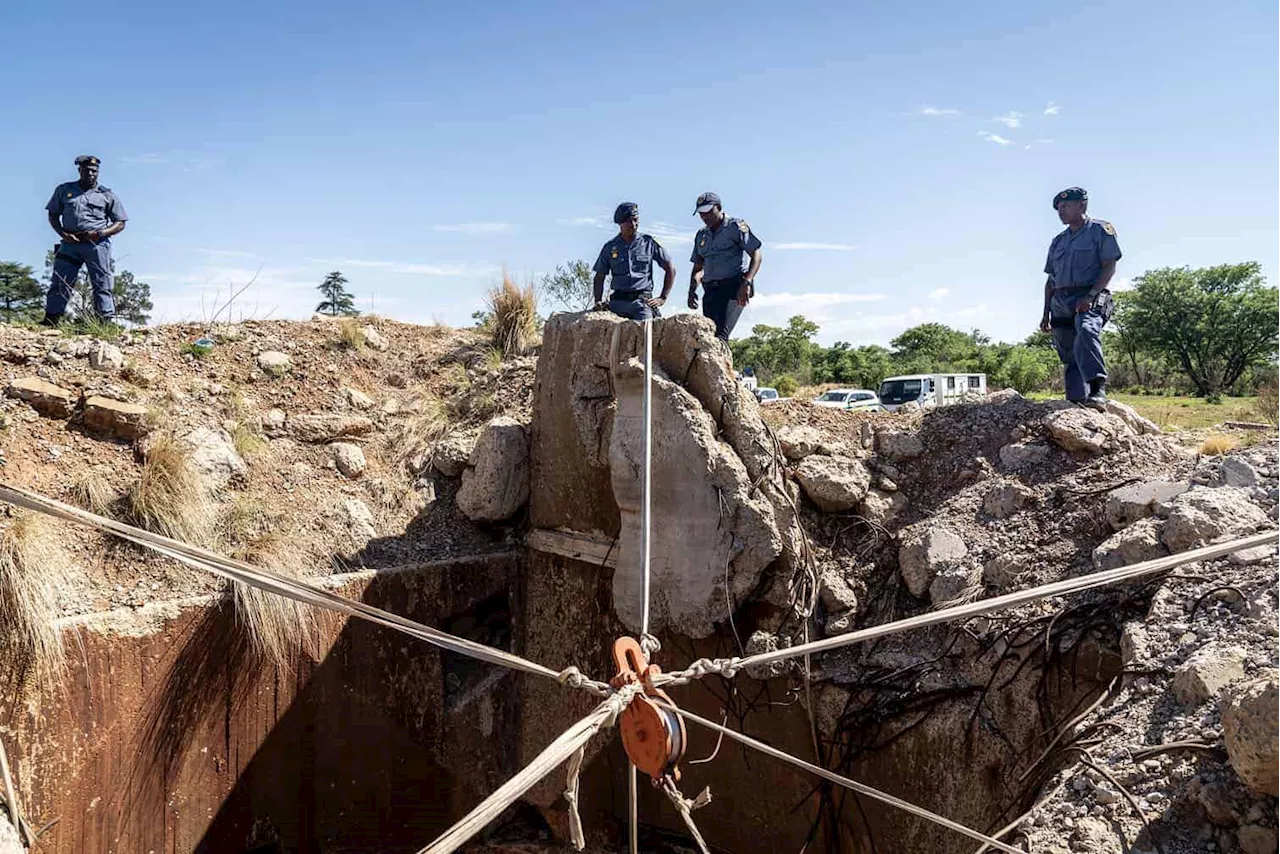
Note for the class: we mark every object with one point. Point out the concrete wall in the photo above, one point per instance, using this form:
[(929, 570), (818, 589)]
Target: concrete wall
[(169, 738)]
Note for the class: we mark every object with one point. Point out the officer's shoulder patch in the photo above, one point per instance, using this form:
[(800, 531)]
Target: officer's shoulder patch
[(743, 227), (1108, 228)]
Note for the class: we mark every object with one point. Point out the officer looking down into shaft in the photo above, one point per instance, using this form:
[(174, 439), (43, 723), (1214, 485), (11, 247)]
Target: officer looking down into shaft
[(629, 259), (1082, 260), (726, 257), (85, 215)]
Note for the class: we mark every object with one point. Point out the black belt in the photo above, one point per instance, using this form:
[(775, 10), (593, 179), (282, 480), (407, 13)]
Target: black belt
[(630, 295), (712, 282)]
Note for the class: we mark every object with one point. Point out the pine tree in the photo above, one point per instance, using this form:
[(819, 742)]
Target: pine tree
[(337, 299), (21, 297)]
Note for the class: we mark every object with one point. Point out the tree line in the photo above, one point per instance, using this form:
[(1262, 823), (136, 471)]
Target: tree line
[(1208, 331), (22, 293)]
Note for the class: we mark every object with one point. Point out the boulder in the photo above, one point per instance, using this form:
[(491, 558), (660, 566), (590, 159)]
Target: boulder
[(105, 357), (1137, 543), (897, 445), (374, 339), (214, 458), (115, 417), (1201, 516), (1128, 504), (451, 453), (713, 535), (495, 483), (357, 518), (1129, 415), (1023, 455), (46, 398), (1236, 472), (834, 591), (324, 427), (1006, 498), (761, 642), (798, 441), (881, 508), (1251, 733), (923, 552), (835, 484), (1007, 395), (1086, 431), (274, 363), (348, 458), (357, 399), (1207, 673), (273, 422), (955, 584)]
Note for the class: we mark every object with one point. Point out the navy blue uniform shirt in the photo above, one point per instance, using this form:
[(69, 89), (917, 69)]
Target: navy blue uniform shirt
[(1075, 260), (631, 264), (722, 250), (86, 210)]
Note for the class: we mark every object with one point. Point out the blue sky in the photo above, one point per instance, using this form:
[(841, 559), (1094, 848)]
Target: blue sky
[(897, 160)]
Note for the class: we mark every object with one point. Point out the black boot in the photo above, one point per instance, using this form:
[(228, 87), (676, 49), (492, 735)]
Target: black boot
[(51, 320), (1097, 398)]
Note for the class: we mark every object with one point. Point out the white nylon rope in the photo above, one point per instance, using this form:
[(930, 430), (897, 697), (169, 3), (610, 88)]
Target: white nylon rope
[(728, 667)]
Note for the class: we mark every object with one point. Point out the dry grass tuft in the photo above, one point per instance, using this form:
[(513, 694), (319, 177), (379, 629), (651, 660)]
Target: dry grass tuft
[(513, 317), (94, 492), (246, 441), (351, 334), (167, 497), (1219, 443), (1268, 403), (410, 444), (32, 571)]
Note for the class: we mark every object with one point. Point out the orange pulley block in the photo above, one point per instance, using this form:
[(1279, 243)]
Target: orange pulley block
[(653, 737)]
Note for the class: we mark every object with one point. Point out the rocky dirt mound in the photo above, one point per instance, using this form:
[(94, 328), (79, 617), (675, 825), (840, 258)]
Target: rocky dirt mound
[(313, 442)]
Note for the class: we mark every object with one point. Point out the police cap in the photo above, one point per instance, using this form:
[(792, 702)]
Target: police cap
[(706, 202), (625, 211), (87, 158), (1071, 194)]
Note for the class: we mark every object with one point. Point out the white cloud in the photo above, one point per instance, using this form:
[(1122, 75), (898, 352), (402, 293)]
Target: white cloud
[(1044, 142), (994, 137), (276, 292), (476, 227), (413, 269), (938, 111), (814, 302), (1052, 110), (592, 221), (836, 247), (665, 232), (1011, 119), (939, 293)]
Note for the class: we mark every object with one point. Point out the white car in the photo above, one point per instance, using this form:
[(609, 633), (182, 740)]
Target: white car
[(849, 398), (764, 394)]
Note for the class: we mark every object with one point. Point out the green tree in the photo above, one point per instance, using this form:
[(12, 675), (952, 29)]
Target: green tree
[(775, 350), (1213, 322), (569, 287), (21, 296), (932, 347), (337, 300)]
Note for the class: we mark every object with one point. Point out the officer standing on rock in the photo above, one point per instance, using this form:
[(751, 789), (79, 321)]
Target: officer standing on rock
[(727, 277), (629, 259), (85, 215), (1082, 260)]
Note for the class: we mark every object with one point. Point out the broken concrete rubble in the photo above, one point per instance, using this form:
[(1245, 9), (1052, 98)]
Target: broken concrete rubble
[(923, 552), (1252, 733), (495, 483), (451, 454), (835, 484), (1086, 431), (1200, 516), (1128, 504), (1207, 673)]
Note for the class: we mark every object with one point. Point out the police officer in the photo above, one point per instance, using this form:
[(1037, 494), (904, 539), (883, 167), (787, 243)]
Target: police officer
[(726, 258), (1082, 260), (629, 259), (85, 215)]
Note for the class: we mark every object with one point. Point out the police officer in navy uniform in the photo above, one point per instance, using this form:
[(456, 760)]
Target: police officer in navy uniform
[(85, 215), (629, 258), (1082, 260), (726, 257)]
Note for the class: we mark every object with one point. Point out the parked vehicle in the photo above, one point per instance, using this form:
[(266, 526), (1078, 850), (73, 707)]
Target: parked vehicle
[(764, 394), (748, 378), (849, 398), (930, 389)]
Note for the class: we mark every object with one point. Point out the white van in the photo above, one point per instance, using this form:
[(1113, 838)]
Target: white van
[(931, 389)]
